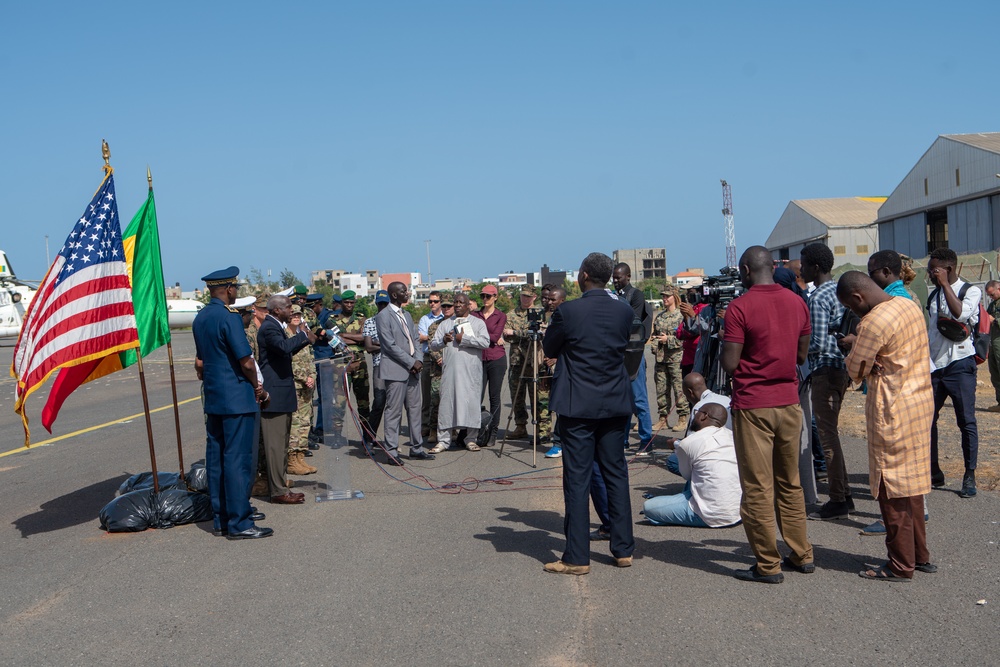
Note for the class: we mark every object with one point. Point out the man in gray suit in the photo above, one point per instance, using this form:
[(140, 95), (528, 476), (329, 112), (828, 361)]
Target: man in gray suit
[(400, 370)]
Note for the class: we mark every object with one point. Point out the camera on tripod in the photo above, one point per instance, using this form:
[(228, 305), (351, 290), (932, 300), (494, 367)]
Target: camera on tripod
[(534, 324), (721, 289)]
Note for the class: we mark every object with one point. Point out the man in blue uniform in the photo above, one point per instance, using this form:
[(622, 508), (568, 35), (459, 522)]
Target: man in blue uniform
[(232, 390), (322, 349)]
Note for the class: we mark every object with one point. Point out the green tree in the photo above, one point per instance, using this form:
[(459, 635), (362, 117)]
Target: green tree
[(651, 287), (288, 278), (572, 289)]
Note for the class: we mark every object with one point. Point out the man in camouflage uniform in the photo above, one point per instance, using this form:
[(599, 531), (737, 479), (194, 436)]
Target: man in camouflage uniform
[(516, 335), (304, 374), (437, 359), (668, 350), (351, 327), (260, 486)]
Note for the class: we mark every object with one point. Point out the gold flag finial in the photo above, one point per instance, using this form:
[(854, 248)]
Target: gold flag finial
[(106, 154), (149, 178)]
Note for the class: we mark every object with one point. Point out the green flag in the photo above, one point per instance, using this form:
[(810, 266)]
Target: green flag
[(145, 270)]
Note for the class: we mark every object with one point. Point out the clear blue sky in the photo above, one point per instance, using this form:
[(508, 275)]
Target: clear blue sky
[(342, 135)]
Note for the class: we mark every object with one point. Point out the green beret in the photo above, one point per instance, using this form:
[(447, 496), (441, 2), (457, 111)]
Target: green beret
[(349, 294), (300, 290)]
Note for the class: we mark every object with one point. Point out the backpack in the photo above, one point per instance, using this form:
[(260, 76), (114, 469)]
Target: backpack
[(957, 331)]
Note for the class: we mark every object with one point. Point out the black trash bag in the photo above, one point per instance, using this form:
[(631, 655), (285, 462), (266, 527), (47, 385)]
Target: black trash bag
[(129, 513), (175, 507), (144, 480), (197, 478)]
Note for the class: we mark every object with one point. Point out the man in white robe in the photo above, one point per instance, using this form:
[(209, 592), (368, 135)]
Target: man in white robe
[(461, 341)]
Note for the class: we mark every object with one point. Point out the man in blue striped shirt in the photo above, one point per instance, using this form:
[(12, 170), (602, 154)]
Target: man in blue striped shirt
[(828, 375)]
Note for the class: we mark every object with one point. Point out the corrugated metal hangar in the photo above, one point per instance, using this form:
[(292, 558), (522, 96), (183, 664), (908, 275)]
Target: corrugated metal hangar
[(951, 198), (845, 224)]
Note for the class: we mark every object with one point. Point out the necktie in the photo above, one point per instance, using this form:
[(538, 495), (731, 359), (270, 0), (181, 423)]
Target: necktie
[(406, 329)]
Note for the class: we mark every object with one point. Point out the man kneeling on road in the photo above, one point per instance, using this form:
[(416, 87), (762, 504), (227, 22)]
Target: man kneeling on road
[(707, 459)]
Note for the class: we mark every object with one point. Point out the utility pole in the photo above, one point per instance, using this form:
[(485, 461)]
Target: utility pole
[(427, 242), (727, 214)]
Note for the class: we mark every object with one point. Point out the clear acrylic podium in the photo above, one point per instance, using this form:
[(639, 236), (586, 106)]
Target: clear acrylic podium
[(330, 373)]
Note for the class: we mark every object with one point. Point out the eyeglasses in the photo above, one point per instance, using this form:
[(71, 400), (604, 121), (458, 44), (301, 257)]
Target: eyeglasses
[(433, 300)]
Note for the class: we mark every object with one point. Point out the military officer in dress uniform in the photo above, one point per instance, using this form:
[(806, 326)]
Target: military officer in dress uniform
[(232, 392), (322, 325)]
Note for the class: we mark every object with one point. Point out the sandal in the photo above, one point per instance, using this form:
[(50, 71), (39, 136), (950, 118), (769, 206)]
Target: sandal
[(882, 573)]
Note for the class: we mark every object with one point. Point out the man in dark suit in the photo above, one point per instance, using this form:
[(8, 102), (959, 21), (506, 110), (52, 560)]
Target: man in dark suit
[(276, 352), (226, 366), (592, 395), (400, 370)]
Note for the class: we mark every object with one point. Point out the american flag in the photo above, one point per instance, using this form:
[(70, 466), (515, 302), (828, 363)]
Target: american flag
[(82, 311)]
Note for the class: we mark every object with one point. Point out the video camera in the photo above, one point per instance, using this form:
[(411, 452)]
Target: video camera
[(534, 324), (721, 289)]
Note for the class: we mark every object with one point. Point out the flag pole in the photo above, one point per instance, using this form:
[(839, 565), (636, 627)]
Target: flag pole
[(173, 378), (108, 170)]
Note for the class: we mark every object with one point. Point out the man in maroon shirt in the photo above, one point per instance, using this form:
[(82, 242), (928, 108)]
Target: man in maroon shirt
[(766, 334)]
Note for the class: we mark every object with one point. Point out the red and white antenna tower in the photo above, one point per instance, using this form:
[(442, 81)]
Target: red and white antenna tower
[(727, 214)]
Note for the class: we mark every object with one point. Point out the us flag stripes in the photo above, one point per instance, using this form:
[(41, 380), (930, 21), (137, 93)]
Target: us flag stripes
[(82, 311)]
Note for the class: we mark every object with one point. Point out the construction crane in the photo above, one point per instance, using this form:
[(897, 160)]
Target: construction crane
[(727, 214)]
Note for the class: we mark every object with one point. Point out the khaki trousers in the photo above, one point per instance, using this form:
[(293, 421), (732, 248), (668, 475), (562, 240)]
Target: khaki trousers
[(767, 455)]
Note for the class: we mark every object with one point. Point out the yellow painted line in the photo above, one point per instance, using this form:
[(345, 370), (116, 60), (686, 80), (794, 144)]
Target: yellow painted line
[(94, 428)]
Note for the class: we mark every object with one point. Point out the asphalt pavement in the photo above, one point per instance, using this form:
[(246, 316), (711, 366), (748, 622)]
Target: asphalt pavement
[(410, 575)]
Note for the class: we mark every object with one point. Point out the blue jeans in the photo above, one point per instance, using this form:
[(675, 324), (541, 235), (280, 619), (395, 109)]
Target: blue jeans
[(673, 466), (673, 510), (640, 406)]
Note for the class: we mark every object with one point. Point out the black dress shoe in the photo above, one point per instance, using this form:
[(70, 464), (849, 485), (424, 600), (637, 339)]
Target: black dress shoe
[(422, 456), (257, 516), (220, 532), (391, 460), (313, 446), (250, 534), (307, 453)]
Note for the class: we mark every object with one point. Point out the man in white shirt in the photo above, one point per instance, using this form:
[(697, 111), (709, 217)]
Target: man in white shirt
[(707, 459), (698, 395), (953, 363)]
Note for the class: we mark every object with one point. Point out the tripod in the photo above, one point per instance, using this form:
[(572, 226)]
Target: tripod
[(711, 368), (535, 337)]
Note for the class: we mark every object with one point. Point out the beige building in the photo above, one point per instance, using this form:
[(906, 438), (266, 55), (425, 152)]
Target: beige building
[(645, 263), (845, 224)]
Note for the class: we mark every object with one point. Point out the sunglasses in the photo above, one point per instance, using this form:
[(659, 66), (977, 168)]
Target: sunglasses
[(488, 296), (433, 300), (447, 305)]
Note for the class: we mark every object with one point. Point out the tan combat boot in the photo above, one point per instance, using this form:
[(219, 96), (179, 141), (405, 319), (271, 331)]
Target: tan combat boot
[(519, 432), (297, 465)]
